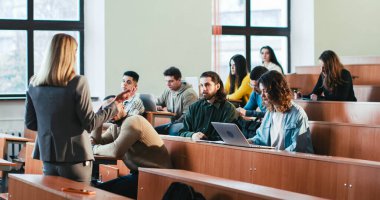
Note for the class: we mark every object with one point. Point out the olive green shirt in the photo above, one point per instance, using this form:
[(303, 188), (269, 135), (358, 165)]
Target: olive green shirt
[(202, 113)]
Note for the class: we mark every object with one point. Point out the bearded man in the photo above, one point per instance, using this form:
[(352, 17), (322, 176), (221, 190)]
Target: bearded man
[(212, 107)]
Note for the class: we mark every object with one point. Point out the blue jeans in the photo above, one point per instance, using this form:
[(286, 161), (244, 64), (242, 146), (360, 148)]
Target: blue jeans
[(169, 129), (124, 185)]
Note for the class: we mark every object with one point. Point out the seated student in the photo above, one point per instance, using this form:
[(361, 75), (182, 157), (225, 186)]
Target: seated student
[(237, 83), (249, 126), (133, 105), (176, 99), (213, 107), (270, 60), (255, 100), (138, 144), (285, 125), (334, 82)]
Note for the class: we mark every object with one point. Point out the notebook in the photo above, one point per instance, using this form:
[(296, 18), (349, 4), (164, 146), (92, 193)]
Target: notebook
[(232, 135)]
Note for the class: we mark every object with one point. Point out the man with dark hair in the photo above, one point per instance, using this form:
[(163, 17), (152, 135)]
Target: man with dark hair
[(176, 99), (133, 104), (248, 125), (255, 100), (285, 125), (213, 107)]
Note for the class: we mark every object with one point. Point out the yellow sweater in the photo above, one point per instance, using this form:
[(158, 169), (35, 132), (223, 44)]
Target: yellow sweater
[(241, 93)]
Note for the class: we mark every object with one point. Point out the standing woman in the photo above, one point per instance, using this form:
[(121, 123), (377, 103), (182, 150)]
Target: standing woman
[(334, 82), (237, 84), (58, 107), (270, 60)]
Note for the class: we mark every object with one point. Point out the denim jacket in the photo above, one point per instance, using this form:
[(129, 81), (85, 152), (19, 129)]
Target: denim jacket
[(297, 136)]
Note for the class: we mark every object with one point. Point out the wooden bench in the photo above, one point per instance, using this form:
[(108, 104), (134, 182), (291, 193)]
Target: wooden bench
[(340, 111), (363, 74), (302, 82), (40, 187), (367, 93), (153, 184), (322, 176), (346, 140)]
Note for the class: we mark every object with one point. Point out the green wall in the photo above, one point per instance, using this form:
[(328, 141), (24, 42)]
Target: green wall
[(348, 27), (149, 36)]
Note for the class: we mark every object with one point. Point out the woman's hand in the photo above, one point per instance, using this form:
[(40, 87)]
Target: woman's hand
[(314, 97)]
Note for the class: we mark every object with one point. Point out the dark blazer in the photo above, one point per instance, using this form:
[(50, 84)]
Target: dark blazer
[(343, 92), (63, 117)]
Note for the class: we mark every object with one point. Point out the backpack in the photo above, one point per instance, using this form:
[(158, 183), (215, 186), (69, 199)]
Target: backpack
[(182, 191)]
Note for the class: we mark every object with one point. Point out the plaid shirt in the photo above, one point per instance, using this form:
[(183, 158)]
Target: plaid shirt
[(134, 106)]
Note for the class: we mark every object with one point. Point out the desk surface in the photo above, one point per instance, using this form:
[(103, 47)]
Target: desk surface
[(52, 185), (13, 138), (6, 163)]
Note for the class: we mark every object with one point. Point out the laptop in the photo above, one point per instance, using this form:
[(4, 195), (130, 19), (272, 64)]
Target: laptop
[(232, 135)]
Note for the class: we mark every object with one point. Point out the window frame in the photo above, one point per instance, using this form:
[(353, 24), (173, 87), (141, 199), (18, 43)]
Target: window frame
[(30, 25), (249, 31)]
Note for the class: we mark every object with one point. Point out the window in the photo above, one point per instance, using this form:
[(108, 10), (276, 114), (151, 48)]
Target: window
[(244, 26), (26, 28)]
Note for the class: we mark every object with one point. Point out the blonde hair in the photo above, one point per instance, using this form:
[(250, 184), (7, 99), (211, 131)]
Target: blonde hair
[(58, 67)]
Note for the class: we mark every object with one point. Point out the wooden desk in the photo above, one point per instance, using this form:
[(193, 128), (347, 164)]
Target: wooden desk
[(40, 187), (346, 140), (340, 111), (322, 176), (6, 165), (163, 116), (5, 139), (153, 184)]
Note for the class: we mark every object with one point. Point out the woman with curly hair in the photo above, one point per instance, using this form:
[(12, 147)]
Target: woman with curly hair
[(285, 125), (237, 84), (335, 82)]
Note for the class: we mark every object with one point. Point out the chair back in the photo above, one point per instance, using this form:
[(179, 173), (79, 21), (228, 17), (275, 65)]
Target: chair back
[(149, 102)]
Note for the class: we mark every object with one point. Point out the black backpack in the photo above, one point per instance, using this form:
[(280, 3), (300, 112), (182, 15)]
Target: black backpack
[(182, 191)]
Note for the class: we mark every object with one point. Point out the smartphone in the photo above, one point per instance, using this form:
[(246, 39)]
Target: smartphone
[(79, 191)]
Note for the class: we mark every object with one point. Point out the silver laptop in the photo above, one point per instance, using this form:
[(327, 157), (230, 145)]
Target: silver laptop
[(232, 135)]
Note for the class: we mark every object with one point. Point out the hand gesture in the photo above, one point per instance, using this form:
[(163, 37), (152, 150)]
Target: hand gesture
[(241, 111), (123, 96)]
